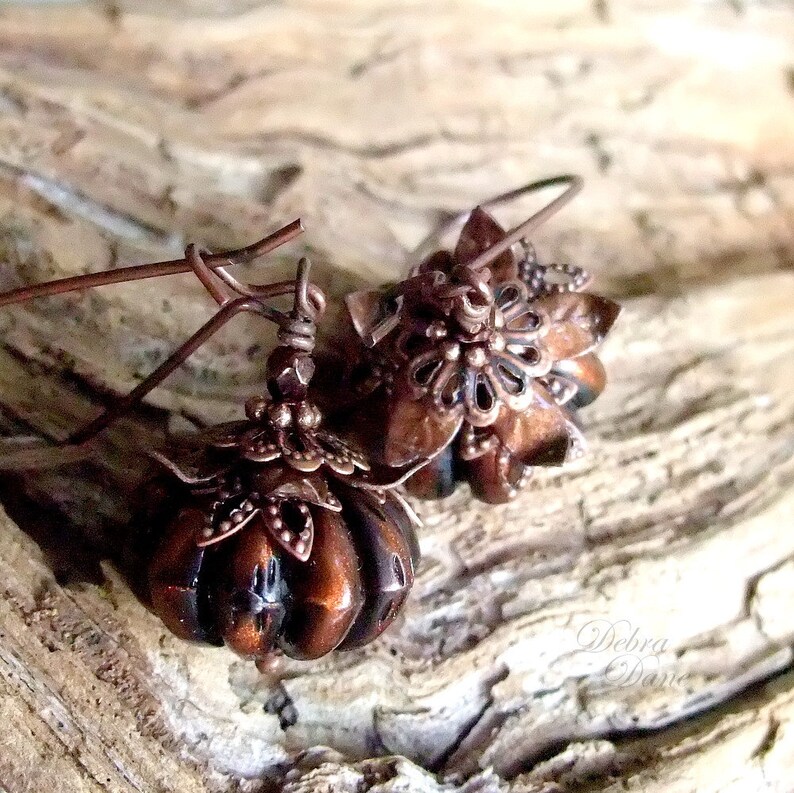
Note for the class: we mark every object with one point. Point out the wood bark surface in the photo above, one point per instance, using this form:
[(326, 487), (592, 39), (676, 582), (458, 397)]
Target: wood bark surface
[(128, 129)]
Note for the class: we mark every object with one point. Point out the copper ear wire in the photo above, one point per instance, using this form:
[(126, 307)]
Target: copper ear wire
[(310, 300), (296, 328), (573, 185), (173, 267)]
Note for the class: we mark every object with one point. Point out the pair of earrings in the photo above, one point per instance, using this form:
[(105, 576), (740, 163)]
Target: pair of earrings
[(273, 533)]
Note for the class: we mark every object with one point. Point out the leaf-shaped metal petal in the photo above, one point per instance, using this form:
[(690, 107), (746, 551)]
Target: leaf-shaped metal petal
[(554, 278), (259, 446), (224, 436), (578, 322), (193, 466), (338, 455), (340, 464), (530, 269), (539, 435), (416, 430), (583, 379), (228, 517), (219, 536), (290, 523), (480, 233), (301, 452), (373, 314), (282, 482)]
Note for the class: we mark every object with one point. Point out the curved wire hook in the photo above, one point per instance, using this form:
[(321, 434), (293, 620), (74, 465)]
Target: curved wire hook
[(573, 185), (137, 272), (310, 299)]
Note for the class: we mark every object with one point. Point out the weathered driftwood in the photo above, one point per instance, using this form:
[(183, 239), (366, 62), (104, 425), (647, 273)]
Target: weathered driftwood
[(678, 524), (127, 130)]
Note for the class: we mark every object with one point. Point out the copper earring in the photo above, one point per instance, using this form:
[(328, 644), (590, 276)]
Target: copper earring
[(271, 533), (479, 359)]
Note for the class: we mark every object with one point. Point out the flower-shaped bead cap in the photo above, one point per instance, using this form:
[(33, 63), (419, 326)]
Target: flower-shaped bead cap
[(483, 365)]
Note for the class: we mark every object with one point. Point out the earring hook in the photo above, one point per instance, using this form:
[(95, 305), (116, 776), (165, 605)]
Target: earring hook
[(573, 185), (137, 272), (310, 299)]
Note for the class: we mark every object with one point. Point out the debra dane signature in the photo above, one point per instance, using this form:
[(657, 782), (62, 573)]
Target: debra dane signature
[(636, 658)]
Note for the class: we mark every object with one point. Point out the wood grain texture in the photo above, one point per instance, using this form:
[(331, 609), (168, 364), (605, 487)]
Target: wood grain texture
[(128, 130)]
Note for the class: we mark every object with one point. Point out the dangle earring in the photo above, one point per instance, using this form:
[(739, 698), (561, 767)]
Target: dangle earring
[(271, 533), (479, 359)]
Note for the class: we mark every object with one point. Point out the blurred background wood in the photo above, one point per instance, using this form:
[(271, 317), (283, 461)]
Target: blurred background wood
[(128, 129)]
